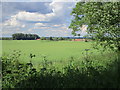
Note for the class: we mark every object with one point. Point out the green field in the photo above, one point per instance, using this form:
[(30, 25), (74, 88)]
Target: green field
[(57, 51)]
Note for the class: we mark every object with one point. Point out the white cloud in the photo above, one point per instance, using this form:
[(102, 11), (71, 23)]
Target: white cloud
[(50, 30), (83, 30), (12, 22), (9, 31), (39, 24), (29, 31), (39, 28), (56, 25), (62, 11), (41, 0), (64, 27), (16, 21), (49, 26), (12, 26), (28, 16), (23, 26), (57, 33), (56, 20)]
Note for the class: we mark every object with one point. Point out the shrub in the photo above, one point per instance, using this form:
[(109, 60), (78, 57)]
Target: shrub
[(49, 38), (88, 74), (86, 40), (6, 38), (43, 38), (61, 38), (55, 39)]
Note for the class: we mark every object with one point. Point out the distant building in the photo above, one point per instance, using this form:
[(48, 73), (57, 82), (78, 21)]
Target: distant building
[(78, 40)]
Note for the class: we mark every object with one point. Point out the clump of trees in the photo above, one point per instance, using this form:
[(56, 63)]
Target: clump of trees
[(21, 36)]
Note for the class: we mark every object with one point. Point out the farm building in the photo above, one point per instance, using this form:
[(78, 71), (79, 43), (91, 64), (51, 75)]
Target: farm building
[(78, 40)]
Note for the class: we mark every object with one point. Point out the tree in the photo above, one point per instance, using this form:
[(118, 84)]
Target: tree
[(50, 38), (55, 39), (21, 36), (78, 35), (103, 20), (61, 38)]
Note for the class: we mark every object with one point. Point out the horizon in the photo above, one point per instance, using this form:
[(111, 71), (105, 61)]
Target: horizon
[(44, 36)]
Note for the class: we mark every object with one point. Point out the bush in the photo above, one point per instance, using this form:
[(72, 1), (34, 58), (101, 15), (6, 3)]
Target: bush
[(49, 38), (89, 74), (43, 38), (86, 40), (55, 39), (6, 38), (61, 38)]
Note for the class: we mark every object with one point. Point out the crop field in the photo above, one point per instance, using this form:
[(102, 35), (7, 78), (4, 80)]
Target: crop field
[(55, 51)]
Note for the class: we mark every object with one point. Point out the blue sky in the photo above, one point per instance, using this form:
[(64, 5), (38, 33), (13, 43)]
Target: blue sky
[(42, 18)]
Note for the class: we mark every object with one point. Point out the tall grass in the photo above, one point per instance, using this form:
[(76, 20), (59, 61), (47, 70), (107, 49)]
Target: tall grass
[(91, 72)]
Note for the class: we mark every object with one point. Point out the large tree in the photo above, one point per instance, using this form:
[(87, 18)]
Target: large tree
[(102, 19)]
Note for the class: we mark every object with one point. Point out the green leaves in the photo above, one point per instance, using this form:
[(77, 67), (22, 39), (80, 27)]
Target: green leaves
[(102, 19), (21, 36), (91, 72)]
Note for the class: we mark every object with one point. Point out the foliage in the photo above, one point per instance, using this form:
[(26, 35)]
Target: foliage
[(88, 74), (21, 36), (102, 19), (61, 38), (49, 38), (55, 39), (6, 38), (43, 38)]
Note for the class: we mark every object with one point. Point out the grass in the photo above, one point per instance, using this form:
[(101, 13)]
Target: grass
[(59, 52)]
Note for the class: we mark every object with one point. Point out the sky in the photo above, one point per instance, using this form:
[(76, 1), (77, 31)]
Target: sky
[(42, 18)]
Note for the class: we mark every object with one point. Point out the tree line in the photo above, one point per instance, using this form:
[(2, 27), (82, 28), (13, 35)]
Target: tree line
[(54, 38), (21, 36), (6, 38)]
